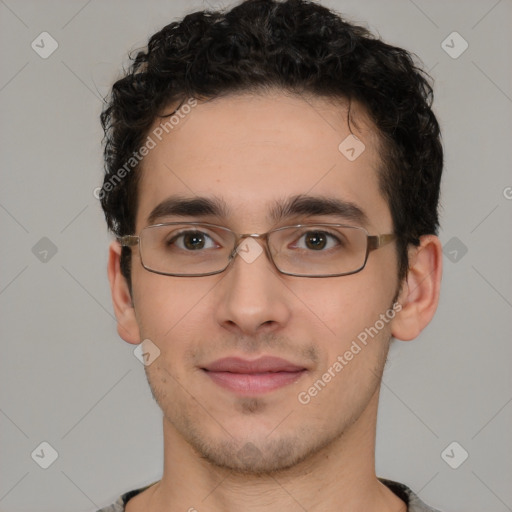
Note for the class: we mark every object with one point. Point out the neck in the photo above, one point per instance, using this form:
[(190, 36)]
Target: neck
[(340, 477)]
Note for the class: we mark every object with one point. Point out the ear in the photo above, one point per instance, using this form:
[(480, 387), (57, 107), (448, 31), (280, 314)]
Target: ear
[(127, 326), (419, 296)]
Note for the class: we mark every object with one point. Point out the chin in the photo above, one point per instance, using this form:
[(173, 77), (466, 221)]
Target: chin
[(251, 458), (257, 454)]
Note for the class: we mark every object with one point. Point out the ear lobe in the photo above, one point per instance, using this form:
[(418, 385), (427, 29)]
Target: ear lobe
[(127, 326), (420, 293)]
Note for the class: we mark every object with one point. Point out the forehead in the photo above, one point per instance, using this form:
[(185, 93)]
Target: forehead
[(254, 152)]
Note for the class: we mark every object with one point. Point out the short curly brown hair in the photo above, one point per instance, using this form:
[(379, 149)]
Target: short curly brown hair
[(297, 46)]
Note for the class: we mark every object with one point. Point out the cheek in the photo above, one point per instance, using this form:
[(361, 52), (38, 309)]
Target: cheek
[(346, 305), (175, 314), (353, 341), (351, 334), (166, 304)]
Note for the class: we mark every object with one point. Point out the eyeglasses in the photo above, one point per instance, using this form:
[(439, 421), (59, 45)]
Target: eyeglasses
[(306, 250)]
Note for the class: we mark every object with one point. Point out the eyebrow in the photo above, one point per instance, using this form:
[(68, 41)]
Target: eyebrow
[(306, 205)]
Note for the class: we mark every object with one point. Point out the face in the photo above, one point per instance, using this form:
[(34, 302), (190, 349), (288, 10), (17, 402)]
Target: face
[(253, 152)]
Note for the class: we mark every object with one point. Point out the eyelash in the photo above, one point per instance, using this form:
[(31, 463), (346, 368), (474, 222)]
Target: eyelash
[(202, 233)]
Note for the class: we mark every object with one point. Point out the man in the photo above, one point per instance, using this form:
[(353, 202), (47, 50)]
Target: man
[(272, 179)]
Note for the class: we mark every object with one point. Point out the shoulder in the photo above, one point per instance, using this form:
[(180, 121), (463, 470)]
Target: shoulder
[(414, 503), (120, 504)]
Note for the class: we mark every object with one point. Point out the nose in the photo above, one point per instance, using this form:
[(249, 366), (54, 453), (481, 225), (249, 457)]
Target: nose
[(251, 297)]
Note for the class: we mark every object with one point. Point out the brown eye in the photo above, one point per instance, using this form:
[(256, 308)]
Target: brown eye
[(315, 240), (192, 241)]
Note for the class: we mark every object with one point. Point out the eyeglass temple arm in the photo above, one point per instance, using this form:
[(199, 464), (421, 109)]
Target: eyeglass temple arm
[(376, 241), (128, 240)]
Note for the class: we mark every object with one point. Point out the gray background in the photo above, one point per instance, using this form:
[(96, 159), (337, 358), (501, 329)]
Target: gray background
[(66, 377)]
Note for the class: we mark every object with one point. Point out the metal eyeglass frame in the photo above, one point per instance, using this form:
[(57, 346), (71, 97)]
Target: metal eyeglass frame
[(373, 242)]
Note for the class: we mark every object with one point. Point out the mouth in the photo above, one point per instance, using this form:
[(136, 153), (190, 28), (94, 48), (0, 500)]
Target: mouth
[(259, 376)]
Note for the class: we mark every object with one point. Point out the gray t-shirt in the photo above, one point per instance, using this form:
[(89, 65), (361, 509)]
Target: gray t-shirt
[(414, 504)]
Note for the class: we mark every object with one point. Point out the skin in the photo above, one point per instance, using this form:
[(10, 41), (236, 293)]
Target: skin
[(225, 452)]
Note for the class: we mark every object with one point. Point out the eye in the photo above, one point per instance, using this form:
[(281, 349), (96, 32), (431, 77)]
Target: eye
[(192, 241), (318, 240)]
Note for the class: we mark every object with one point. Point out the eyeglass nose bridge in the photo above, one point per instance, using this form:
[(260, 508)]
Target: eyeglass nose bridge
[(242, 237)]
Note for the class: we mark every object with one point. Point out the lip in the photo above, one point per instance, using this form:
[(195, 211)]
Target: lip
[(261, 365), (258, 376)]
